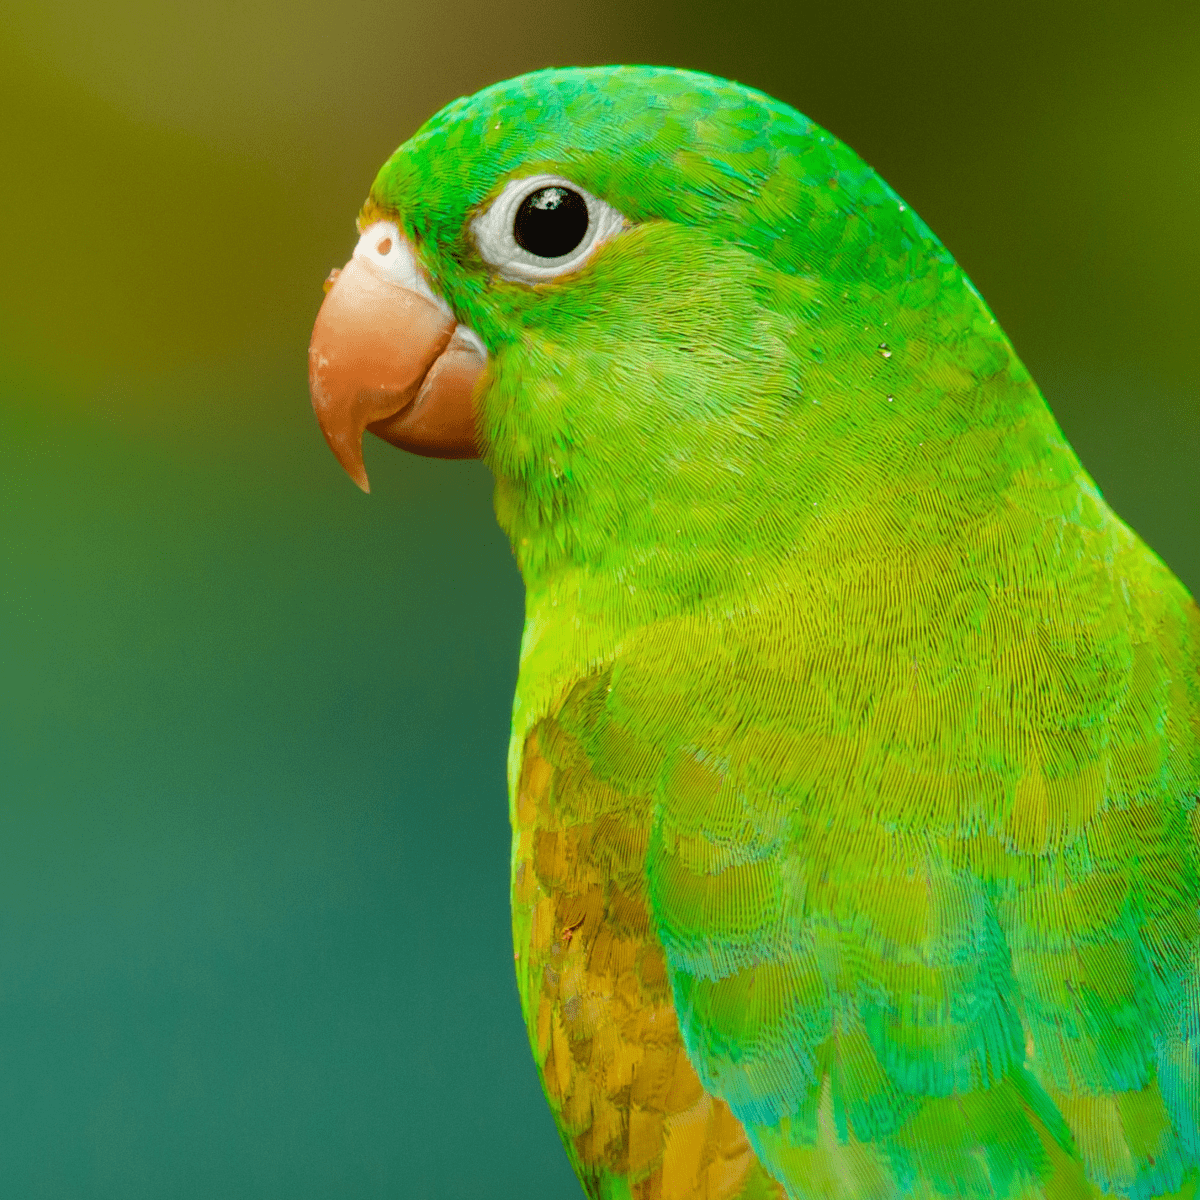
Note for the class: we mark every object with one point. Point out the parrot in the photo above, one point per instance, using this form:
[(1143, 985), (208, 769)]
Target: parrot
[(854, 776)]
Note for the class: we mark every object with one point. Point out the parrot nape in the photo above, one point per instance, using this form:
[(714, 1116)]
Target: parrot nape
[(855, 753)]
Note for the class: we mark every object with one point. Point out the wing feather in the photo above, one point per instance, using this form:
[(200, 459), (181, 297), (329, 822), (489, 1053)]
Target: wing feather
[(927, 890)]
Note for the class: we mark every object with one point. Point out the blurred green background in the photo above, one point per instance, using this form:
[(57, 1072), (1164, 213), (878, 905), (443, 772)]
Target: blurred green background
[(253, 932)]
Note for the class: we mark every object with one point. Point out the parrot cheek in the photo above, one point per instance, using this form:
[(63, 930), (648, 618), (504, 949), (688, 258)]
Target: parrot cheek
[(385, 358)]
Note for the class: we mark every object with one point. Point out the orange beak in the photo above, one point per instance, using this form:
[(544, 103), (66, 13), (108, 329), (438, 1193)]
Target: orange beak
[(386, 358)]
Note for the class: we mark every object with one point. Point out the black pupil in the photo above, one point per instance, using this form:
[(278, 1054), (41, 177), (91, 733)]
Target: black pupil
[(551, 222)]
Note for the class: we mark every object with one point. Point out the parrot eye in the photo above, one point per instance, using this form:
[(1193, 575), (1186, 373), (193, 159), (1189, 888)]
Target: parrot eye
[(551, 222), (542, 227)]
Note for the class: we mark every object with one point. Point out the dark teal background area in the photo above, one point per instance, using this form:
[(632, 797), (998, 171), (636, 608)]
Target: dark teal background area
[(254, 935)]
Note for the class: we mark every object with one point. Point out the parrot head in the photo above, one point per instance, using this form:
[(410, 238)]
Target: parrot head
[(672, 315)]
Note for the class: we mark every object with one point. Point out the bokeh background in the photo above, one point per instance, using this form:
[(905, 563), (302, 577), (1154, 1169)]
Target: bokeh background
[(253, 847)]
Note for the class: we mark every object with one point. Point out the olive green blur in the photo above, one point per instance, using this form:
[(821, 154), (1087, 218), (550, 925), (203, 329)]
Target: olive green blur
[(254, 935)]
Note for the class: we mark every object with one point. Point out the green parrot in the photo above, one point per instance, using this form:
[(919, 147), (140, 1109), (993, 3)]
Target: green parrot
[(855, 754)]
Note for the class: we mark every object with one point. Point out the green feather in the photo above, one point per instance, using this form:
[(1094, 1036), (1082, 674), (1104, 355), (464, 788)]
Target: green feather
[(908, 719)]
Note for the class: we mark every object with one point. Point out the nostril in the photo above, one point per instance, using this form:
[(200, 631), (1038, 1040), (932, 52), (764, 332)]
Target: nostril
[(385, 246), (331, 279)]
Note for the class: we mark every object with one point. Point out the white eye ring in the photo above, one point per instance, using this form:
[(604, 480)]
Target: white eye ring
[(386, 250), (493, 231)]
